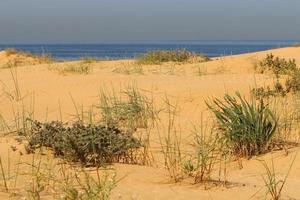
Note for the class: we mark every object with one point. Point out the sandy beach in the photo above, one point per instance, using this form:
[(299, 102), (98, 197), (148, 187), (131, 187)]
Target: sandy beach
[(43, 90)]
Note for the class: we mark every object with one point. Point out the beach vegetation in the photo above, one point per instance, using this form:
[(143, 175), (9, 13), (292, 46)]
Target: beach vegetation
[(74, 68), (247, 127), (90, 145), (273, 183), (132, 111), (129, 68), (161, 56), (279, 66)]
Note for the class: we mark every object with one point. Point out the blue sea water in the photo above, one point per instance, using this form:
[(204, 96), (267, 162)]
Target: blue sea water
[(131, 50)]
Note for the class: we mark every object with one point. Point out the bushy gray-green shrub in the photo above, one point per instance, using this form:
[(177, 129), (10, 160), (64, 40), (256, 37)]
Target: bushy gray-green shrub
[(87, 144)]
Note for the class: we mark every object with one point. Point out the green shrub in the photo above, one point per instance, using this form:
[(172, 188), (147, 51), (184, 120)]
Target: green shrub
[(266, 92), (292, 84), (277, 65), (248, 127), (180, 55), (88, 144)]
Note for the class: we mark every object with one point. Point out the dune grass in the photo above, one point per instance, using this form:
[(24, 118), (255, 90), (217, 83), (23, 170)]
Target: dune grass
[(129, 68), (76, 68), (206, 156), (161, 56), (132, 111), (19, 58), (273, 184)]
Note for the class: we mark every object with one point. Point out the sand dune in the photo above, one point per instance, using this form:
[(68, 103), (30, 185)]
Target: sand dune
[(187, 84)]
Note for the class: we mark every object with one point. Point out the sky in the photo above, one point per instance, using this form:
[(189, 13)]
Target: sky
[(97, 21)]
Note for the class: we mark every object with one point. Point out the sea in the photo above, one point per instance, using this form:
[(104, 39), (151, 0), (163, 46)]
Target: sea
[(123, 50)]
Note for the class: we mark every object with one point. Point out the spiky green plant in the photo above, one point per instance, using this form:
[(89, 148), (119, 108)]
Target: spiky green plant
[(248, 127)]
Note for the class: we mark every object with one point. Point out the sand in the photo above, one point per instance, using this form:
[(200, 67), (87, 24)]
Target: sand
[(190, 85)]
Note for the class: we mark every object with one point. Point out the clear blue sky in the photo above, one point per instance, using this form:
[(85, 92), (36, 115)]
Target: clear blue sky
[(94, 21)]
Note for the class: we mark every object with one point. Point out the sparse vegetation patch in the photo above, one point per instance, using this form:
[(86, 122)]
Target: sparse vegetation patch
[(278, 66), (87, 144), (132, 111), (281, 68), (78, 68), (19, 58), (161, 56)]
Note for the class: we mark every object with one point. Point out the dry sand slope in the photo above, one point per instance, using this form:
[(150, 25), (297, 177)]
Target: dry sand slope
[(188, 84)]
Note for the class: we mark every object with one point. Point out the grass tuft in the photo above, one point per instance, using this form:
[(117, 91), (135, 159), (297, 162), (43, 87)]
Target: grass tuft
[(80, 68), (131, 112), (248, 127)]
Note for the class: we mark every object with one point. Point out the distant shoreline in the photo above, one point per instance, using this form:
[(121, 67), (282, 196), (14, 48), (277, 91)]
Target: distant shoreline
[(70, 52)]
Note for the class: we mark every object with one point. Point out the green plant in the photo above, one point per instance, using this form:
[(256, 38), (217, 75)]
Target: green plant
[(292, 83), (133, 111), (180, 55), (129, 68), (87, 144), (36, 184), (277, 65), (16, 94), (266, 92), (171, 144), (80, 68), (273, 185), (248, 127), (201, 163), (95, 189)]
